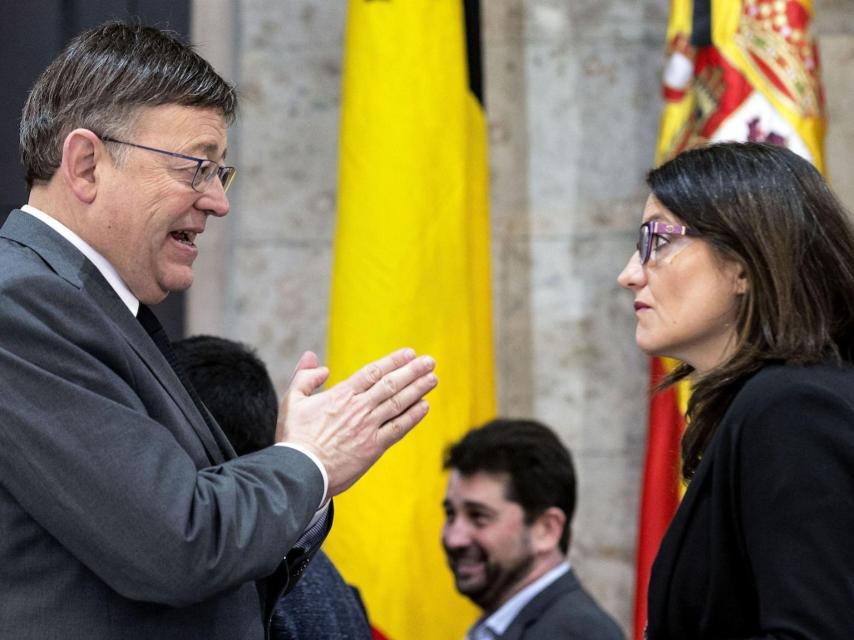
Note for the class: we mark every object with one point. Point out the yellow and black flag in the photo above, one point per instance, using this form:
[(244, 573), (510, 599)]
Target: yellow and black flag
[(411, 268)]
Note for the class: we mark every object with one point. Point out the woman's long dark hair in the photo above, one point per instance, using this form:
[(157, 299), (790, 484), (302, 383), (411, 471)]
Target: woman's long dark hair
[(771, 211)]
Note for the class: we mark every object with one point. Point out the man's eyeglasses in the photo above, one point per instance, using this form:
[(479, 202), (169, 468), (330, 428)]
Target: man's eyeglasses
[(205, 169), (652, 230)]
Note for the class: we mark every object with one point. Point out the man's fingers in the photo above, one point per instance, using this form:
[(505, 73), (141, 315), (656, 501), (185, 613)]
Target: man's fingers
[(308, 360), (404, 399), (369, 375), (391, 384), (308, 374), (393, 430)]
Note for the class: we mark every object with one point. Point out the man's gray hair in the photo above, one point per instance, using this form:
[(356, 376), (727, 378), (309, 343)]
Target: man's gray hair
[(101, 79)]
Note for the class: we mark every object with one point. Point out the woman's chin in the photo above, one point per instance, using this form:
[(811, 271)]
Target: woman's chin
[(649, 347)]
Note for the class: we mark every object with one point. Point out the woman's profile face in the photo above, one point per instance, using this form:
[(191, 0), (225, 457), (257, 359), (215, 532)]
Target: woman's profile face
[(685, 296)]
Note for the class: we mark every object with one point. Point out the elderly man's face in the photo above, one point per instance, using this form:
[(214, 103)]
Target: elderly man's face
[(149, 215)]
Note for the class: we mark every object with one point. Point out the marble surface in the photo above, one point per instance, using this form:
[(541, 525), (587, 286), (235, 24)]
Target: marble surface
[(837, 59), (572, 102)]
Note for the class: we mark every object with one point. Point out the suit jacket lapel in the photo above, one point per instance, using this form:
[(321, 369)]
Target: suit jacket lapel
[(74, 267), (532, 611), (148, 352)]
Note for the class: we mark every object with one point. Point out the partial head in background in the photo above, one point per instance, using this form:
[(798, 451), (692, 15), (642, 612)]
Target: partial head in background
[(235, 386), (767, 273), (123, 138), (508, 508)]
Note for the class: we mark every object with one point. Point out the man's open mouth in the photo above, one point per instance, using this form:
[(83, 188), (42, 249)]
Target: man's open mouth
[(185, 237)]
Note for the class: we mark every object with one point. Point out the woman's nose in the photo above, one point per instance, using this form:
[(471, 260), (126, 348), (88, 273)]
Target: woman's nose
[(632, 275)]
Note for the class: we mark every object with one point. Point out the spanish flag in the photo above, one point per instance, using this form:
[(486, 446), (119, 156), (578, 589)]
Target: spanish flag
[(745, 70), (411, 268)]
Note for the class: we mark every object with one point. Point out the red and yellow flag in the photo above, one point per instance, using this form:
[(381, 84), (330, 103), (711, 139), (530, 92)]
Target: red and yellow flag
[(411, 268), (736, 70)]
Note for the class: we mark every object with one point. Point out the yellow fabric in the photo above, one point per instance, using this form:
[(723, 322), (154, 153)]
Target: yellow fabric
[(733, 33), (411, 268), (730, 33), (675, 115)]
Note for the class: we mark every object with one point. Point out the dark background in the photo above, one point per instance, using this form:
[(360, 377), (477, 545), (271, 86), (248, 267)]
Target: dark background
[(31, 34)]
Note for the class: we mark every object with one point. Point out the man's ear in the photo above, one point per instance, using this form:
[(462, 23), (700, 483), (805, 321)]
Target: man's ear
[(82, 151), (547, 529)]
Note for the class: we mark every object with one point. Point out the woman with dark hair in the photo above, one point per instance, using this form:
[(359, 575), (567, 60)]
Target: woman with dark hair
[(744, 272)]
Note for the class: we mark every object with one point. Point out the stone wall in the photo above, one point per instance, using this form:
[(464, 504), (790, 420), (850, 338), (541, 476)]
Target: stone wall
[(572, 93), (573, 102)]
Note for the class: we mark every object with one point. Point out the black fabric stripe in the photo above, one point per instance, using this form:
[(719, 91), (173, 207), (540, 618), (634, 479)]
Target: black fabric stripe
[(473, 48), (701, 23)]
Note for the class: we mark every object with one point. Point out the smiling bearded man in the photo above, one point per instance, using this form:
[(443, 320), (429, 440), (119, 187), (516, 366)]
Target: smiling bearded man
[(508, 508)]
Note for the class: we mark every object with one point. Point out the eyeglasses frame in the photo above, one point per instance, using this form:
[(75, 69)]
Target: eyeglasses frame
[(657, 228), (225, 174)]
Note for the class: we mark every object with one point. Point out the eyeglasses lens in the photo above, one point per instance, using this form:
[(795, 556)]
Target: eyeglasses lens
[(226, 176), (644, 243), (207, 170)]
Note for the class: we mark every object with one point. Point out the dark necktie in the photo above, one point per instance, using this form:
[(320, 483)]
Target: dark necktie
[(157, 333)]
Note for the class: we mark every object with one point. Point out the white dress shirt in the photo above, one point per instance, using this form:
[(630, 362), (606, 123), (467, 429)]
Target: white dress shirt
[(501, 618), (132, 303)]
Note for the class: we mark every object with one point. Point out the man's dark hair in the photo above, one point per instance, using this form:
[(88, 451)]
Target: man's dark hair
[(236, 388), (101, 79), (539, 468)]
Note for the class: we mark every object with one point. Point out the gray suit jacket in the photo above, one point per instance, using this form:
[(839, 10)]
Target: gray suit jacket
[(563, 610), (122, 514)]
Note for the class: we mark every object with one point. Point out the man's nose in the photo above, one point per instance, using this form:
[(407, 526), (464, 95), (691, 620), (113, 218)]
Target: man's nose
[(456, 535), (213, 199)]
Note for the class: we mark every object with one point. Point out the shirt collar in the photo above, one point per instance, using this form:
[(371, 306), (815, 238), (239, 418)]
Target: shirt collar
[(506, 613), (101, 263)]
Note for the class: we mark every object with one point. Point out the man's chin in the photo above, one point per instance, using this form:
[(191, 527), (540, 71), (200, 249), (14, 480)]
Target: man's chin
[(474, 593), (470, 586), (175, 283), (157, 293)]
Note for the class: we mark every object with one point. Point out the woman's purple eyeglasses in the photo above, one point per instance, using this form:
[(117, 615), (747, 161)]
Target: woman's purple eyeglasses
[(652, 228)]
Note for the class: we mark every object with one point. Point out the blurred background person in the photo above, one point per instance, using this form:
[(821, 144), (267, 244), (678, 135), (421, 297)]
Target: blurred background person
[(508, 513), (235, 386), (744, 271)]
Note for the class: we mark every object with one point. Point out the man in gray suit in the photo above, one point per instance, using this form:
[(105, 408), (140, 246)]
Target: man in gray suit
[(508, 509), (124, 511), (235, 386)]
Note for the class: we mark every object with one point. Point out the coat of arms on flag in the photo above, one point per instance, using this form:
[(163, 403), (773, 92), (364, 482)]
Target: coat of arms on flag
[(744, 71)]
